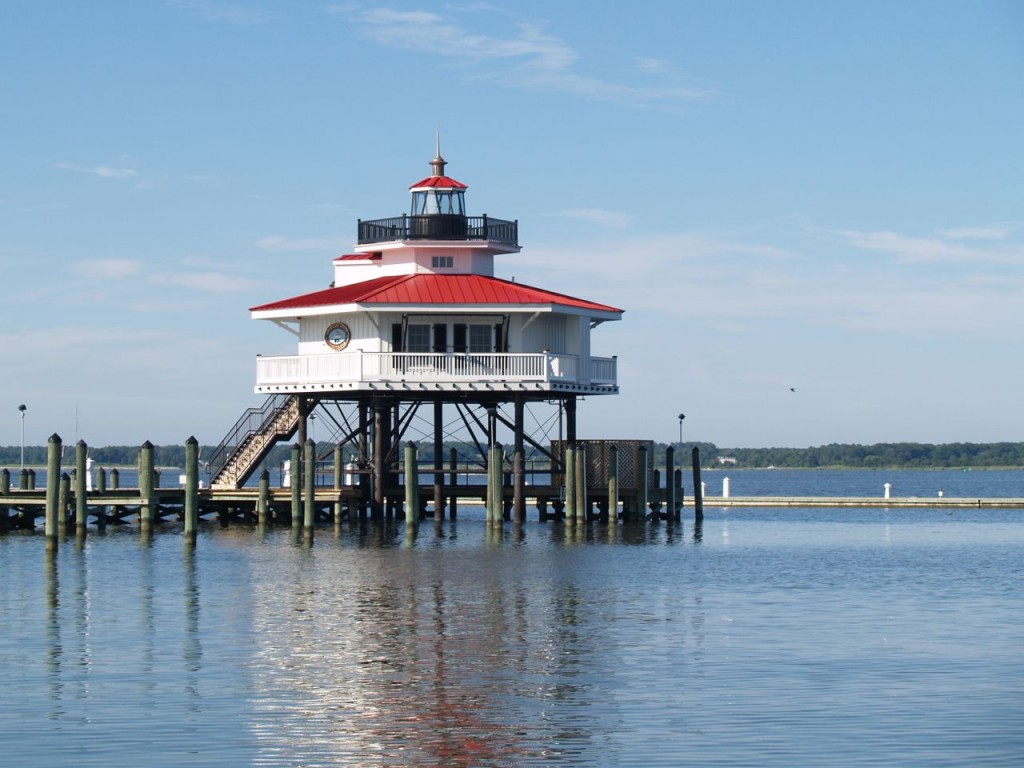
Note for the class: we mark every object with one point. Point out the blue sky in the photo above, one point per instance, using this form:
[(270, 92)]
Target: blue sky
[(824, 197)]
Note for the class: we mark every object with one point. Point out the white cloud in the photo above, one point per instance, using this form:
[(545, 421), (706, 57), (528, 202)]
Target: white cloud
[(281, 244), (933, 250), (531, 57), (210, 282), (714, 281), (106, 269), (103, 171), (977, 233)]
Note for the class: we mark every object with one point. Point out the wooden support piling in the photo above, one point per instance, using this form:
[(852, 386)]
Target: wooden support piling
[(5, 488), (81, 511), (146, 485), (101, 489), (581, 484), (670, 482), (453, 468), (698, 489), (263, 501), (63, 504), (643, 482), (613, 484), (309, 486), (191, 490), (438, 461), (339, 457), (518, 460), (570, 483), (52, 492), (412, 505), (295, 479)]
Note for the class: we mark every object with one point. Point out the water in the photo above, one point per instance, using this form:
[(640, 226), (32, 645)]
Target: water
[(786, 637)]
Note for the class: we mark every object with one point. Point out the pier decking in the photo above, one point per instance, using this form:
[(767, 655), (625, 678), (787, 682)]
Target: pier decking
[(23, 508)]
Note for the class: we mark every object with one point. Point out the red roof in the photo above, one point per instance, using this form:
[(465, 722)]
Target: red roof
[(445, 182), (428, 288), (375, 256)]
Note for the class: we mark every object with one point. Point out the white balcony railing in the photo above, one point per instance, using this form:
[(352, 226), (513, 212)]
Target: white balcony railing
[(368, 367)]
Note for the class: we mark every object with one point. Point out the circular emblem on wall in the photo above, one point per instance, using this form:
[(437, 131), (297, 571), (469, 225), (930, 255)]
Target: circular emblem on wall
[(337, 336)]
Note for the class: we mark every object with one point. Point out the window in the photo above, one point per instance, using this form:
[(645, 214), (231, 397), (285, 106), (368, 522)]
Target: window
[(442, 262), (417, 338), (480, 339)]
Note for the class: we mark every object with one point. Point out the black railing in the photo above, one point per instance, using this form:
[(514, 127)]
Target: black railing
[(253, 421), (438, 227)]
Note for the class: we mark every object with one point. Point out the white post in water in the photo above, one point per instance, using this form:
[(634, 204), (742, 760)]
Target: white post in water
[(888, 487), (725, 487)]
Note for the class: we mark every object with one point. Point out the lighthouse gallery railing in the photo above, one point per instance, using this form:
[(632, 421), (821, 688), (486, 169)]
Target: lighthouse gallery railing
[(412, 366), (437, 227)]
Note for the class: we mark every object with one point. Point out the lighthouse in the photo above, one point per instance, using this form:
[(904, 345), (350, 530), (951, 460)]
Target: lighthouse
[(417, 318)]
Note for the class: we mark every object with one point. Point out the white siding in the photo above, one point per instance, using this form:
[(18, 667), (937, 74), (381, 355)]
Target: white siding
[(545, 332)]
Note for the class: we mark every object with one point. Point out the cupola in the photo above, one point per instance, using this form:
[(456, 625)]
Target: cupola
[(438, 207)]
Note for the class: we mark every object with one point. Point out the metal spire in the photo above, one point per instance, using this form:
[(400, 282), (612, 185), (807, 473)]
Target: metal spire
[(438, 162)]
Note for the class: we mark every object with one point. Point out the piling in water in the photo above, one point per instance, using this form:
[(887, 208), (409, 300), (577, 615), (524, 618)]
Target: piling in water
[(80, 487), (613, 484), (412, 505), (698, 488), (309, 484), (146, 485), (52, 491), (191, 490), (295, 479)]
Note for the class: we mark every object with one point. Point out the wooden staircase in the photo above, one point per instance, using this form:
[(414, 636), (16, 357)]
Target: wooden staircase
[(251, 439)]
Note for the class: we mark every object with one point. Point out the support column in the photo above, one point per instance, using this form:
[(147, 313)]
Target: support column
[(581, 484), (146, 486), (52, 492), (569, 482), (309, 486), (296, 486), (613, 485), (363, 460), (263, 501), (643, 482), (698, 488), (81, 449), (303, 419), (670, 483), (63, 504), (412, 502), (453, 500), (570, 419), (101, 489), (191, 490), (378, 459), (518, 460), (438, 461), (5, 488), (339, 458)]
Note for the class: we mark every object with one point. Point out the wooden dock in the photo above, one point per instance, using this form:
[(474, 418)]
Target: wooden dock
[(22, 508)]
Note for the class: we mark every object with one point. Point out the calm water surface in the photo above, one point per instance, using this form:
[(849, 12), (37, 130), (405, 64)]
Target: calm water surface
[(779, 638)]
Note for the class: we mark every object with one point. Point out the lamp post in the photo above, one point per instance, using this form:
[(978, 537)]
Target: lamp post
[(22, 408), (681, 417)]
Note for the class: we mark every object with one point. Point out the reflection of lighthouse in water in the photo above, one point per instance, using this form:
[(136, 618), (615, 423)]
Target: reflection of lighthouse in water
[(386, 662)]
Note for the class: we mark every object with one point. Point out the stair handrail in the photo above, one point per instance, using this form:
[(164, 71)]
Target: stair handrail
[(244, 429)]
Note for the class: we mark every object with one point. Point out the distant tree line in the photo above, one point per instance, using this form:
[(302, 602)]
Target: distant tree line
[(879, 455), (834, 455)]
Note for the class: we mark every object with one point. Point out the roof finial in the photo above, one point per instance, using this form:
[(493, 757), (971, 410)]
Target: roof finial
[(438, 162)]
